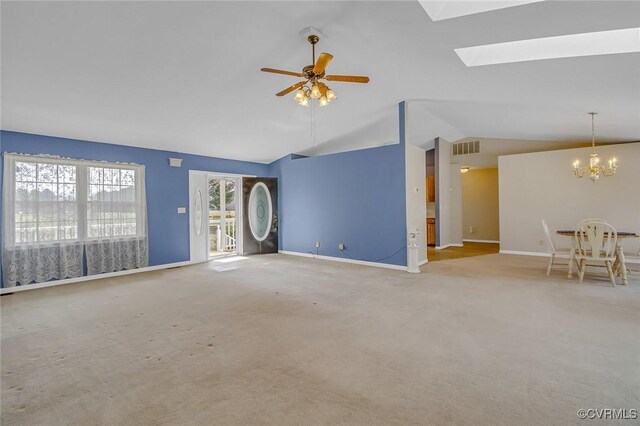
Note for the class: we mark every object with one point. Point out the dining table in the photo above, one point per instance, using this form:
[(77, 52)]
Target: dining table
[(619, 265)]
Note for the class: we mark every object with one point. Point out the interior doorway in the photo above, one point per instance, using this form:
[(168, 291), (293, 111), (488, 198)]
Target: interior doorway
[(469, 249), (223, 217)]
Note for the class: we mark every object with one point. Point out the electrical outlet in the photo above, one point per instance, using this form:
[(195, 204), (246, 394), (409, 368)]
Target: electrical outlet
[(317, 244), (341, 246), (471, 229)]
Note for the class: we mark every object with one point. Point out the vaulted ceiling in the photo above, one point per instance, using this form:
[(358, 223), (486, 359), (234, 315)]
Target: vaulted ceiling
[(184, 76)]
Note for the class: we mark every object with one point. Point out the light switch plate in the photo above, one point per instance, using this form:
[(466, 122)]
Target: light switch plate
[(182, 210)]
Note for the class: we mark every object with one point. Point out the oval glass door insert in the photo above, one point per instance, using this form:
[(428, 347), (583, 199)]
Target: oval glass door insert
[(260, 211), (197, 212)]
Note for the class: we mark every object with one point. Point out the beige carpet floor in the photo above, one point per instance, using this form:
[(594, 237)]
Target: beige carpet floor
[(281, 340)]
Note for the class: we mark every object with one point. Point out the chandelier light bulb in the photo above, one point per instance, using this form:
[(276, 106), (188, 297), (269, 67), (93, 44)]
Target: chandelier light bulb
[(323, 101), (315, 92), (330, 95), (304, 101), (299, 95)]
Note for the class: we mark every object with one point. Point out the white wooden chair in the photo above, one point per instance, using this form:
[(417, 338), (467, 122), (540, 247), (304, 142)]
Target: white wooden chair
[(596, 242), (553, 251)]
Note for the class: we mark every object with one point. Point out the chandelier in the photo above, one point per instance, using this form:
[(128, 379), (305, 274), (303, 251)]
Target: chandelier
[(594, 169)]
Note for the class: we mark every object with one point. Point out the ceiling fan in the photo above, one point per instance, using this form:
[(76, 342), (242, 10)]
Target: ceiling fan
[(312, 87)]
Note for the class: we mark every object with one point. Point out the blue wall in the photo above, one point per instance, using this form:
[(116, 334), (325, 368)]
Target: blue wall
[(356, 198), (167, 187)]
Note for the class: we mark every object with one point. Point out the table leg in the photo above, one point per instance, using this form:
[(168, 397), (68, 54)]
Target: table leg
[(622, 265), (572, 254)]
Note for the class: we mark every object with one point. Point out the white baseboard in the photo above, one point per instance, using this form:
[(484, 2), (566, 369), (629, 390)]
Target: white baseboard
[(532, 253), (448, 245), (482, 241), (95, 277), (345, 260), (628, 260)]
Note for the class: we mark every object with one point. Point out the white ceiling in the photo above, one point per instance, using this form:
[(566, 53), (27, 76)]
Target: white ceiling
[(184, 76)]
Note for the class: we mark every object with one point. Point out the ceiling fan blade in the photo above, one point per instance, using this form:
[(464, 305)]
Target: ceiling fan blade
[(347, 78), (291, 88), (322, 62), (275, 71)]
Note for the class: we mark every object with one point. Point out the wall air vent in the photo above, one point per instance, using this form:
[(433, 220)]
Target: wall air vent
[(464, 148)]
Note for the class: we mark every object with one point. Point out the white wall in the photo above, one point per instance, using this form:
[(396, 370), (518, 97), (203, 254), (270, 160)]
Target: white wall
[(448, 197), (443, 199), (455, 209), (542, 186), (416, 196), (480, 207)]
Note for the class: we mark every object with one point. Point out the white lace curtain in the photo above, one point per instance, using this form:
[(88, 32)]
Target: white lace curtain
[(57, 212), (116, 219)]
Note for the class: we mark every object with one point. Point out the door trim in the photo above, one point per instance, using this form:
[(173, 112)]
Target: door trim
[(239, 212), (221, 174)]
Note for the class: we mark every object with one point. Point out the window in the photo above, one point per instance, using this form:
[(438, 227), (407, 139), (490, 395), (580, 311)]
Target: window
[(111, 202), (46, 207), (59, 212)]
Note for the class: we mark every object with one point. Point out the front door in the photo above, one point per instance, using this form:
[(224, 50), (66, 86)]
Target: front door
[(260, 218)]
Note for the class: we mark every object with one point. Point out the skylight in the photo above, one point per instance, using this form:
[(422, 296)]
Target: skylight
[(567, 46), (439, 10)]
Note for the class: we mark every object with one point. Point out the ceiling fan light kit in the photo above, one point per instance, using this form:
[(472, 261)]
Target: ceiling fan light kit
[(312, 87)]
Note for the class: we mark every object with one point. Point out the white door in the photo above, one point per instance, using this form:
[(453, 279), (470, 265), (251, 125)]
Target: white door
[(198, 216)]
